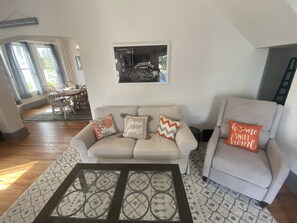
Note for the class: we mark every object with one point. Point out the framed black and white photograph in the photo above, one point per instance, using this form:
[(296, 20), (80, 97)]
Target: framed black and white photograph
[(78, 62), (141, 63)]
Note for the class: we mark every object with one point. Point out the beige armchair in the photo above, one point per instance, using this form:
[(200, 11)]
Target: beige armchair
[(257, 175)]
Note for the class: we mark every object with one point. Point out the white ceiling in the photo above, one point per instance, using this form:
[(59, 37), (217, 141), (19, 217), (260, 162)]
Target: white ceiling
[(263, 23)]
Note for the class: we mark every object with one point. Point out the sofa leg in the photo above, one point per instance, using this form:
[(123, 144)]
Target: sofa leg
[(188, 170), (262, 204), (204, 178)]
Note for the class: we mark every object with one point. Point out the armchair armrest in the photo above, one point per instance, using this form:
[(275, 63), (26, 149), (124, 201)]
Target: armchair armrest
[(185, 140), (210, 151), (83, 141), (280, 170)]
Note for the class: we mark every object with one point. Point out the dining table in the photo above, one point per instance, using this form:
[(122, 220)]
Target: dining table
[(78, 96), (71, 92)]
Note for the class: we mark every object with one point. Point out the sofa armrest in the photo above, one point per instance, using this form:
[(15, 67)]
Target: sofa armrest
[(280, 170), (83, 141), (185, 140), (210, 151)]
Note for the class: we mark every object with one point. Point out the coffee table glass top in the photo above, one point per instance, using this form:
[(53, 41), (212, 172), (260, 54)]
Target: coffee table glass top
[(149, 195), (119, 193), (89, 195)]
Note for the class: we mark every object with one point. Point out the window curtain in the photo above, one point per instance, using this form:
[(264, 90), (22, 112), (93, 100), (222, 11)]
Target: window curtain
[(21, 84), (58, 63), (11, 84), (33, 66)]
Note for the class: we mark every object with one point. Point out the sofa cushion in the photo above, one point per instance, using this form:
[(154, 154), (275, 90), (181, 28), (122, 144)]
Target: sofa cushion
[(116, 112), (157, 147), (251, 167), (112, 147), (155, 112)]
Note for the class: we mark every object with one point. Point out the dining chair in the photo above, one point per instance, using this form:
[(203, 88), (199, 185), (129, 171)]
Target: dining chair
[(81, 101), (58, 101), (48, 88)]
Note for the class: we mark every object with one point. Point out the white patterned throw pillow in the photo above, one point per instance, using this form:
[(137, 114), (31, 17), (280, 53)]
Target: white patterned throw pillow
[(103, 127), (135, 127)]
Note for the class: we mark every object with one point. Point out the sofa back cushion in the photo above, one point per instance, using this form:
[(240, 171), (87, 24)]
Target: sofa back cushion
[(116, 112), (172, 112), (252, 112)]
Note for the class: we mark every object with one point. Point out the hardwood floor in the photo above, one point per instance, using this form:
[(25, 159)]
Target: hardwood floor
[(284, 206), (35, 110), (23, 161)]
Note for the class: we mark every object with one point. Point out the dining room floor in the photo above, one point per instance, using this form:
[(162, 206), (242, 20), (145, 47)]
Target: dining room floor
[(44, 114), (34, 111)]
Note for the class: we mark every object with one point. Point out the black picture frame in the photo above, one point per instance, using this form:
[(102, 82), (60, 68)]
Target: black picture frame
[(141, 62)]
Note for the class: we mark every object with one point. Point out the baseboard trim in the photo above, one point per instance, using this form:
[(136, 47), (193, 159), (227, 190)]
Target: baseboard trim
[(1, 137), (35, 101), (17, 135), (291, 182)]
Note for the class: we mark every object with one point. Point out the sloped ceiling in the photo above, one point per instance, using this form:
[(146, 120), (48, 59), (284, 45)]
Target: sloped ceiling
[(264, 23)]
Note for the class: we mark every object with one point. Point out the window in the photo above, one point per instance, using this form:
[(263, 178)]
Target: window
[(48, 65), (24, 65), (33, 66), (163, 67), (3, 58)]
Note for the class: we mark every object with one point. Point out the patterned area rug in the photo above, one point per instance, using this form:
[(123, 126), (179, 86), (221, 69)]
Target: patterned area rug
[(47, 115), (209, 202)]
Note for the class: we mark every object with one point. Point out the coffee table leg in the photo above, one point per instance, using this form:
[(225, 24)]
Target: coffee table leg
[(82, 181)]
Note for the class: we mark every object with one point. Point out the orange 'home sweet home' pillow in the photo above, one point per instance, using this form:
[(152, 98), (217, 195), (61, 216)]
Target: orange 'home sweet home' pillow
[(243, 135)]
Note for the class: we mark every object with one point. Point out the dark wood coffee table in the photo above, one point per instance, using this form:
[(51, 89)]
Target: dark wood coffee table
[(119, 193)]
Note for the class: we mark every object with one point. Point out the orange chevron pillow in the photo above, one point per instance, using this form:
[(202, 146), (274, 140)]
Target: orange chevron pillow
[(168, 128)]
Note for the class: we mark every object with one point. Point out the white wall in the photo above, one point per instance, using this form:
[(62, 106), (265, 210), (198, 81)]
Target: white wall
[(263, 23), (10, 120), (209, 59), (75, 52), (286, 134)]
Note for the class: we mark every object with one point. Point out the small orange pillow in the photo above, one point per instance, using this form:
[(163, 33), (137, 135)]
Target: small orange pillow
[(243, 136)]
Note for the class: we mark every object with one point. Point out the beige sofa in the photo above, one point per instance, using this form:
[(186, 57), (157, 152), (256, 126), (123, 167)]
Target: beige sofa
[(114, 149)]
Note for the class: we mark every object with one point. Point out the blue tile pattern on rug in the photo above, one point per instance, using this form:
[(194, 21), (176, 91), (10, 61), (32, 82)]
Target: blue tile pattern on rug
[(209, 202)]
